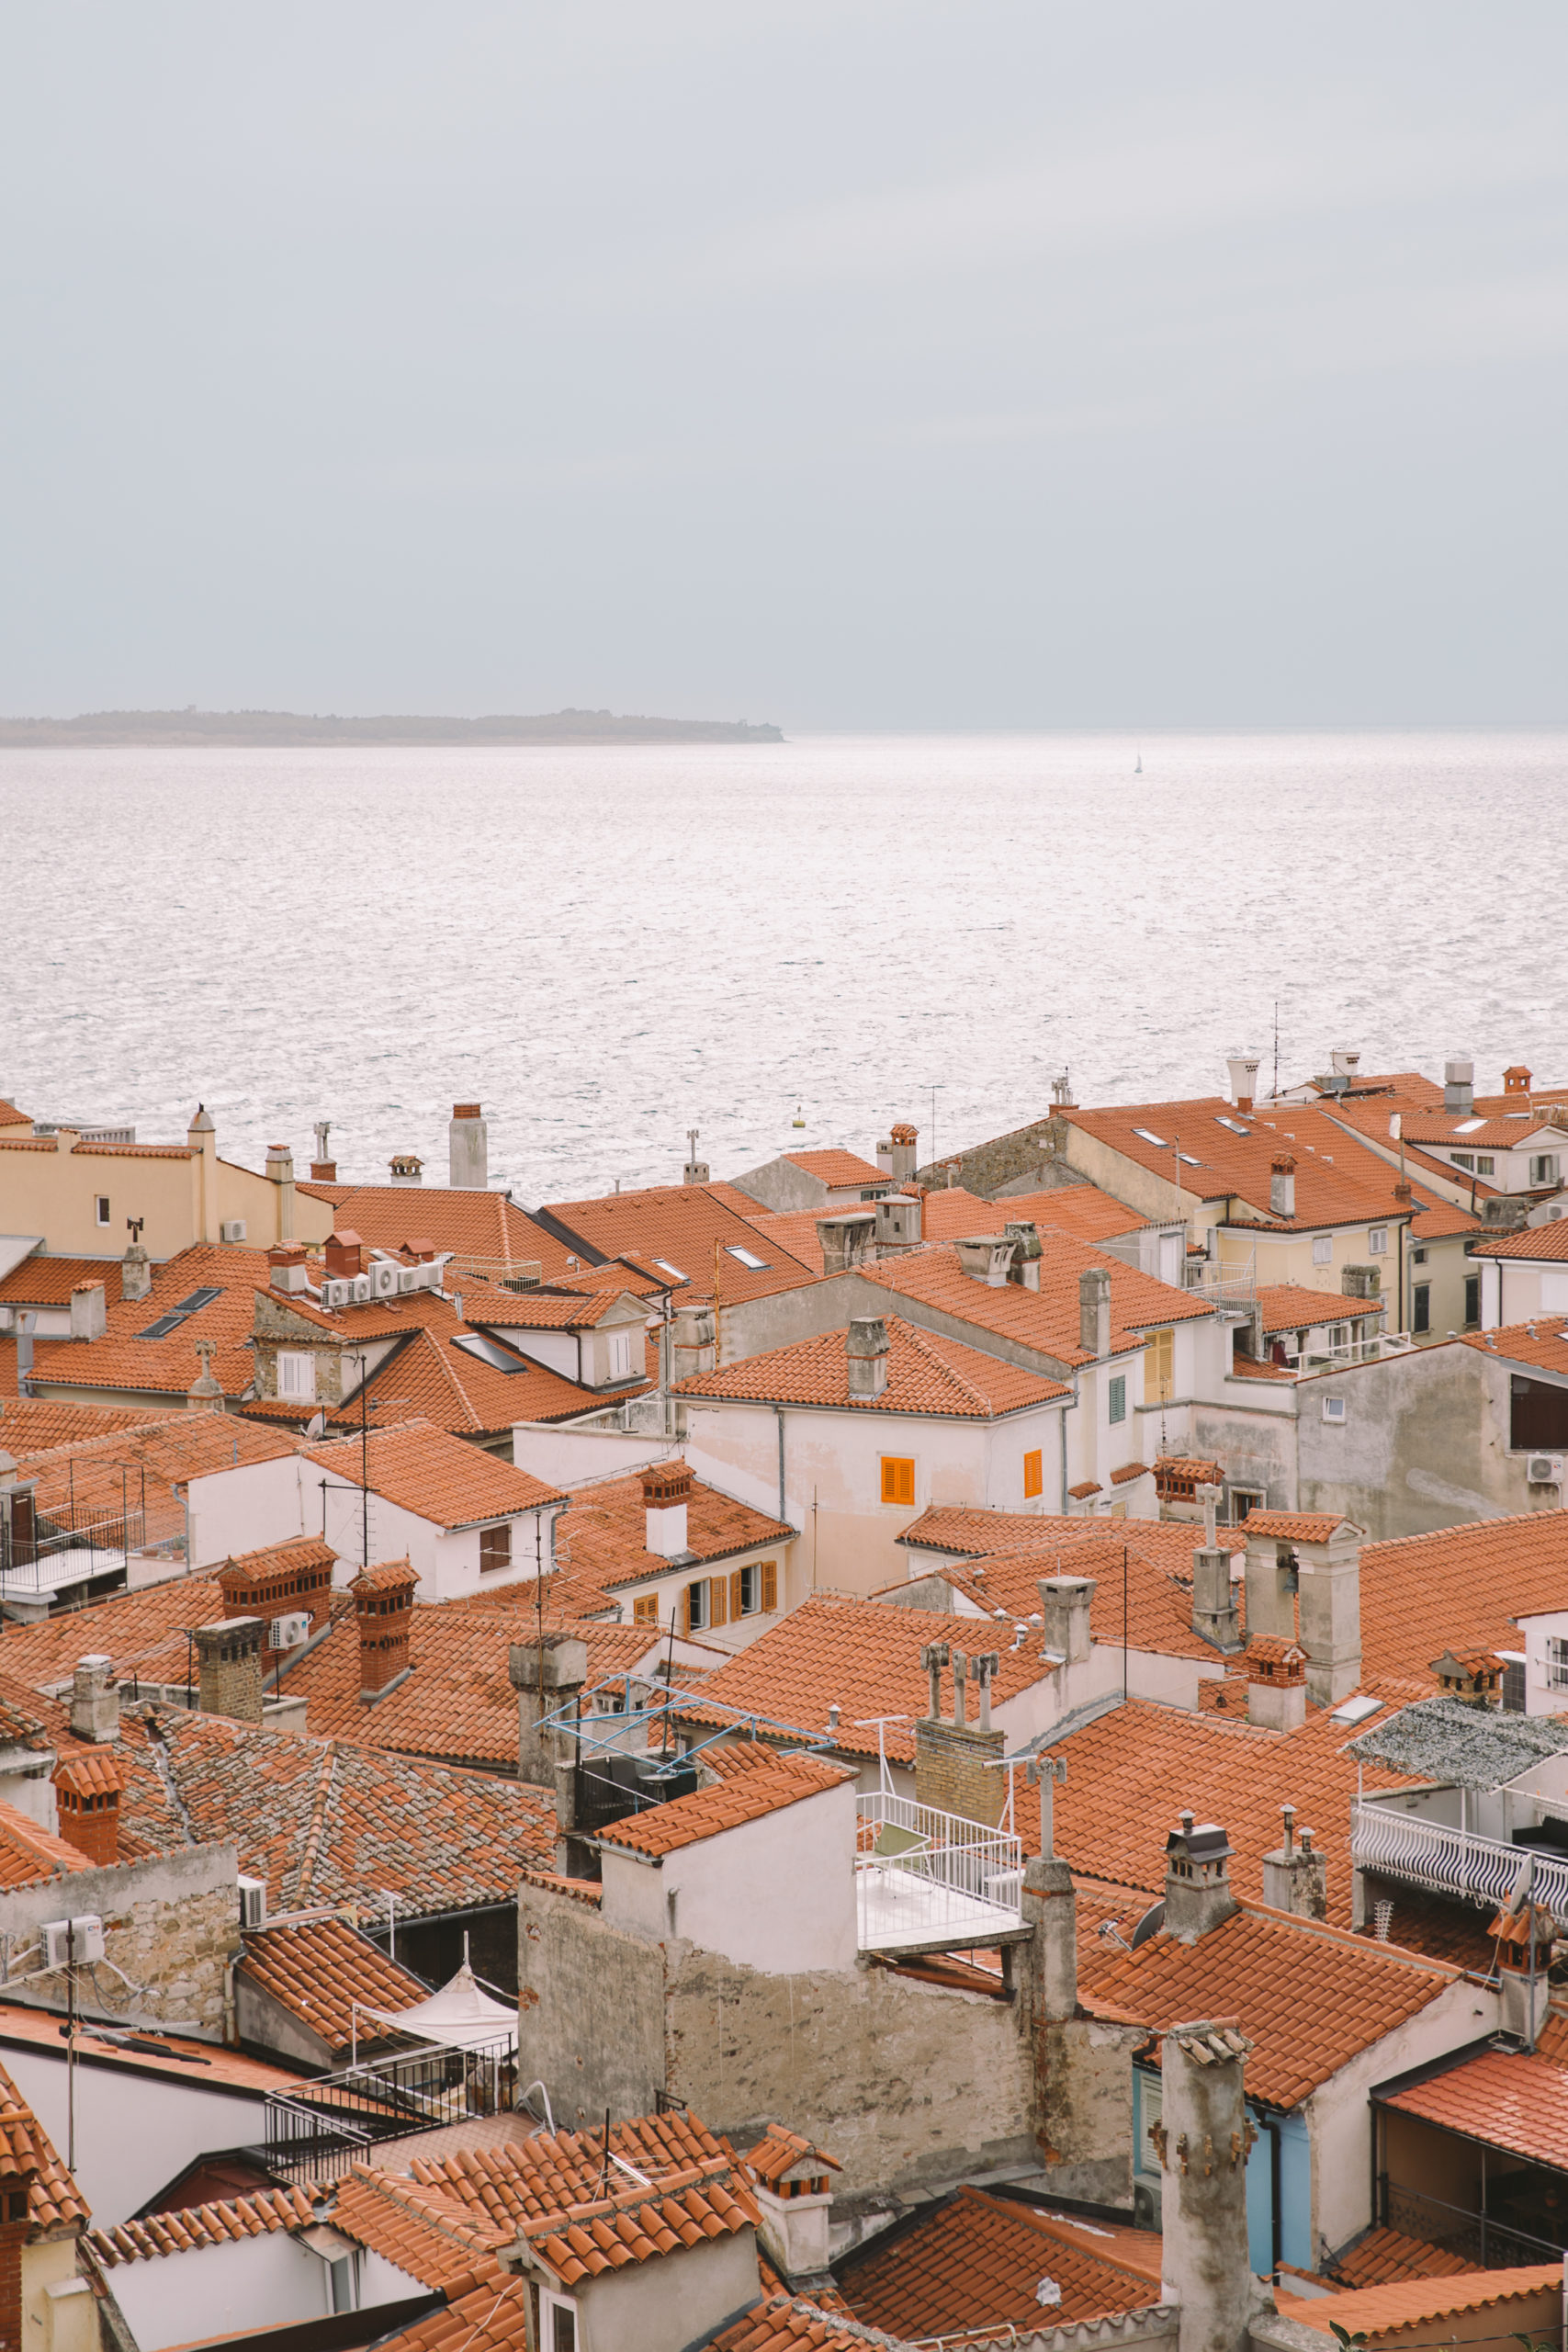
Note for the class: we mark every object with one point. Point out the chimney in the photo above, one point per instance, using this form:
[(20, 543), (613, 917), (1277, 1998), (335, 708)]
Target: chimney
[(292, 1590), (1094, 1310), (383, 1611), (344, 1255), (1328, 1603), (286, 1269), (94, 1700), (87, 1790), (323, 1169), (1282, 1185), (1459, 1087), (897, 1224), (1050, 1908), (933, 1658), (135, 1273), (1276, 1683), (201, 1137), (1517, 1080), (229, 1660), (691, 1342), (1359, 1282), (1064, 1605), (1401, 1194), (564, 1659), (794, 2198), (666, 1492), (845, 1241), (87, 1311), (985, 1258), (280, 1171), (1271, 1579), (1242, 1069), (865, 1346), (1216, 1617), (1197, 1879), (901, 1153), (1295, 1876), (468, 1147), (1203, 2138), (1027, 1252), (205, 1394), (406, 1168), (955, 1763)]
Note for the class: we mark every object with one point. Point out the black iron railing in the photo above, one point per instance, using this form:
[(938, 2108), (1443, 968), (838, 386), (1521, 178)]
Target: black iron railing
[(1482, 2238), (323, 2127)]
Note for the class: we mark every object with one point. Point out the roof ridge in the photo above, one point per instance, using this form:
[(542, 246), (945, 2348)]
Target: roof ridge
[(321, 1805), (949, 1372)]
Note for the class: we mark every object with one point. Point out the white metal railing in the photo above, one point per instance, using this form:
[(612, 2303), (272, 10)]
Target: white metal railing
[(1236, 1284), (1453, 1861), (922, 1875), (1387, 1343)]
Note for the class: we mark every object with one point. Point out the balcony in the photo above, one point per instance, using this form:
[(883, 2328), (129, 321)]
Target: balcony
[(1483, 1871), (932, 1881)]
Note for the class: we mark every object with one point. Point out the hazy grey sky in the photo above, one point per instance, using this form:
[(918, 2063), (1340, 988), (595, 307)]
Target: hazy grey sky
[(875, 363)]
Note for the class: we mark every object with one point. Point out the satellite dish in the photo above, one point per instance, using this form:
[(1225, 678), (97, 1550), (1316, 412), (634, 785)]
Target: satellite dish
[(1524, 1878), (1149, 1925)]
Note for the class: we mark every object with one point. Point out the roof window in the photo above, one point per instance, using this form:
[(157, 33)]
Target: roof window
[(1186, 1157), (161, 1327), (484, 1350), (747, 1257), (198, 1298), (1234, 1124), (666, 1268), (1356, 1710), (1468, 1126), (1149, 1136)]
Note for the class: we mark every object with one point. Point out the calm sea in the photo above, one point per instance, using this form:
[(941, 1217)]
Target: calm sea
[(607, 947)]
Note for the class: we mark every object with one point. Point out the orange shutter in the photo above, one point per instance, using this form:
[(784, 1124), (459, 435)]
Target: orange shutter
[(737, 1598), (686, 1610), (770, 1584), (1032, 1481), (645, 1609), (718, 1602)]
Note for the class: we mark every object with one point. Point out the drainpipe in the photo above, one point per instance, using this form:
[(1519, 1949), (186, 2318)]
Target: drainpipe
[(1270, 2123), (778, 1415), (1061, 1429)]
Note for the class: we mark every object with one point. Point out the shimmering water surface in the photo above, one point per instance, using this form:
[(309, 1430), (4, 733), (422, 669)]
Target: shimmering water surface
[(609, 946)]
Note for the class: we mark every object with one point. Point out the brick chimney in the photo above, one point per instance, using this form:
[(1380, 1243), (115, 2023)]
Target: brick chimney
[(1276, 1683), (897, 1155), (1197, 1879), (229, 1661), (1094, 1310), (323, 1167), (285, 1268), (1242, 1069), (344, 1254), (953, 1761), (405, 1168), (865, 1347), (1282, 1185), (280, 1171), (1295, 1876), (1517, 1080), (666, 1492), (1064, 1605), (290, 1588), (87, 1790), (383, 1608), (468, 1148), (1203, 2140), (846, 1241), (88, 1313), (94, 1700)]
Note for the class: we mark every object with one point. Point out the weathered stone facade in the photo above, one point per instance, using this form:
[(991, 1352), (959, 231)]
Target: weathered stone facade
[(171, 1926), (954, 1769), (277, 1326), (1030, 1160)]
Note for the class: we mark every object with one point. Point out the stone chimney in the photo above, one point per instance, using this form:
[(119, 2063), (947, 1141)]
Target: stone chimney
[(1328, 1603), (405, 1168), (229, 1661), (846, 1241), (88, 1312), (1282, 1184), (865, 1347), (1027, 1251), (205, 1394), (897, 1224), (1276, 1683), (1271, 1579), (666, 1492), (1064, 1605), (323, 1167), (1216, 1617), (344, 1255), (1203, 2140), (900, 1153), (565, 1662), (1295, 1876), (1094, 1310), (87, 1790), (953, 1761), (1459, 1087), (468, 1148), (691, 1342), (94, 1700), (280, 1171), (383, 1611), (985, 1258), (201, 1137), (1197, 1879), (286, 1269), (135, 1272), (1050, 1908), (1242, 1069)]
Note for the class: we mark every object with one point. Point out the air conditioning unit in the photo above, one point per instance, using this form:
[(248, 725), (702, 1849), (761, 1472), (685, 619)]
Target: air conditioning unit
[(359, 1287), (287, 1633), (253, 1902), (335, 1292), (1545, 1470), (232, 1229), (407, 1279), (384, 1279), (1146, 2206), (71, 1941)]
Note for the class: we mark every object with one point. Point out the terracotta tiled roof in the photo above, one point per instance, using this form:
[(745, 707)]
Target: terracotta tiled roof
[(838, 1168), (29, 1855), (682, 1225), (1047, 1318), (458, 1391), (532, 2181), (1548, 1242), (546, 1310), (437, 1477), (1542, 1343), (1082, 1210), (1514, 2099), (1442, 1219), (201, 2225), (927, 1374), (737, 1798), (89, 1773), (431, 2237), (1296, 1526), (1552, 2042), (48, 1281), (779, 2149), (1244, 1367), (1381, 2257), (1382, 2312), (631, 2225), (320, 1969), (978, 2260), (860, 1653), (565, 1594), (1340, 1179), (782, 2322), (123, 1359), (54, 2202), (38, 1424), (1466, 1585), (1313, 1997), (602, 1532), (1233, 1773), (1291, 1307), (483, 2316), (172, 1449), (483, 1227)]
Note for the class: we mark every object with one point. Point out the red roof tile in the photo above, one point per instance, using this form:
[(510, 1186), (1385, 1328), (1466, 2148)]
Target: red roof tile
[(434, 1475), (1379, 2312), (1514, 2099), (839, 1169), (1340, 1179), (1466, 1585), (1046, 1318), (1291, 1307), (1542, 1343), (202, 2226), (782, 2322), (682, 1226), (29, 1854), (927, 1374), (737, 1798), (1381, 2257), (54, 2202), (1297, 1526), (318, 1970), (38, 1424), (603, 1532), (1547, 1242)]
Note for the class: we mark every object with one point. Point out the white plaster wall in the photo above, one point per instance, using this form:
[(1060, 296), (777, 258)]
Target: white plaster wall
[(253, 1504), (634, 1895), (1541, 1697), (134, 2131), (777, 1893), (556, 1350), (573, 1457), (248, 2283)]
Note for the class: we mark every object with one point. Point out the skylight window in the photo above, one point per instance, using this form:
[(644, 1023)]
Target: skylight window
[(1188, 1160), (162, 1328), (500, 1359), (1468, 1126), (1149, 1136), (666, 1268), (1234, 1124), (1356, 1710), (198, 1298), (747, 1257)]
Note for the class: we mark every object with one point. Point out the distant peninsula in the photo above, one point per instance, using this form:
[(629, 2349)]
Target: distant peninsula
[(163, 728)]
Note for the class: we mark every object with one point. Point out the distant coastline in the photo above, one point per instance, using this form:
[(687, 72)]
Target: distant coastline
[(239, 728)]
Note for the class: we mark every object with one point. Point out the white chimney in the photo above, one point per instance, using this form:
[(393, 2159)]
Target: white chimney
[(666, 1492), (1459, 1087), (1282, 1185), (900, 1148), (897, 1224), (1344, 1065), (468, 1148), (406, 1168), (1242, 1069), (87, 1311), (280, 1171), (865, 1345), (1094, 1310), (94, 1700)]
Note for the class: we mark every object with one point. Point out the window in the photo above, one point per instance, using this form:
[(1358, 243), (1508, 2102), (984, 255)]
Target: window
[(696, 1606), (1149, 1136), (1471, 1299), (645, 1609), (1419, 1257), (101, 1206), (1514, 1701), (1118, 1398), (747, 1258), (341, 2272), (666, 1268), (1033, 1483), (1244, 1502), (897, 1478), (1323, 1249), (1463, 1159), (558, 2322), (296, 1376), (1421, 1307), (620, 1355), (495, 1548), (1333, 1409), (1159, 1367), (1485, 1164), (1544, 1168), (491, 1352), (1538, 1417), (1556, 1662), (1377, 1240), (743, 1584)]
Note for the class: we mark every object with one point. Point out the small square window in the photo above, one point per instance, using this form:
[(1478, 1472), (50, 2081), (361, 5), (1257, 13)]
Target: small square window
[(1419, 1257), (645, 1609), (1333, 1409), (296, 1377), (102, 1206), (1323, 1249), (1377, 1240), (495, 1548), (897, 1479), (1118, 1398), (1032, 1481), (1485, 1164)]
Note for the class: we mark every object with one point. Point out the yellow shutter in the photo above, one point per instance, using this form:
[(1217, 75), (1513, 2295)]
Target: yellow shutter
[(736, 1596), (686, 1610), (770, 1584), (645, 1609), (718, 1602), (1159, 1367)]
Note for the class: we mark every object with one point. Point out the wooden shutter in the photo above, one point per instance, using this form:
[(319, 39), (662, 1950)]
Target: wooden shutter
[(1032, 1481), (686, 1610), (897, 1479), (737, 1593), (718, 1602), (645, 1609), (770, 1575)]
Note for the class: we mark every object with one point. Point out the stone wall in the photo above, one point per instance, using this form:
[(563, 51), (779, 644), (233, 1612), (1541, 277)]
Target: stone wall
[(1028, 1159), (954, 1770), (171, 1925), (276, 1326), (591, 2009)]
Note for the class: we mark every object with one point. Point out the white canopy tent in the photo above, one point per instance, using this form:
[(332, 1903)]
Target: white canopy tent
[(461, 2016)]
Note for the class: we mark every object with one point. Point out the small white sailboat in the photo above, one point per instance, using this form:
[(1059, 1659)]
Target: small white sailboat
[(1138, 762)]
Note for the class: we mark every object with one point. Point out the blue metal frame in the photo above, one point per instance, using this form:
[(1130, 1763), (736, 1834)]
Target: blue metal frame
[(571, 1718)]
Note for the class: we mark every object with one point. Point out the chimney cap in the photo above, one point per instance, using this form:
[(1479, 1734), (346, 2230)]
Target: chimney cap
[(466, 1111), (1284, 1164), (1202, 1841)]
